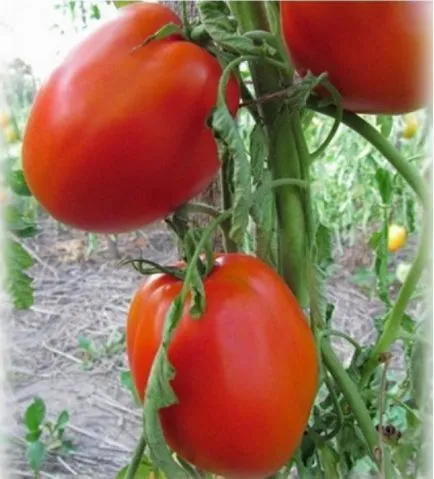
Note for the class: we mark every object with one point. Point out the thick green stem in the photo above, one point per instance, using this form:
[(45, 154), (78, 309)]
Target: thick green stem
[(367, 131), (283, 158)]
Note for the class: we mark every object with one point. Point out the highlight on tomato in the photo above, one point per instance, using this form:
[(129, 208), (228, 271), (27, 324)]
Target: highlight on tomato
[(357, 44), (246, 371), (117, 135)]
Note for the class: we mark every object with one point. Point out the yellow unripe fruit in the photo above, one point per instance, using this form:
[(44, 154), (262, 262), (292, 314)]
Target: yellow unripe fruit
[(10, 134), (397, 237), (411, 125)]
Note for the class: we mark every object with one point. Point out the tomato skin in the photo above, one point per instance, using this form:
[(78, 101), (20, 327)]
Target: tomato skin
[(117, 138), (396, 237), (246, 371), (377, 53)]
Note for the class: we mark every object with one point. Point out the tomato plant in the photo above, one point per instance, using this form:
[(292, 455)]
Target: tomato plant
[(226, 366), (356, 43), (117, 135), (246, 371)]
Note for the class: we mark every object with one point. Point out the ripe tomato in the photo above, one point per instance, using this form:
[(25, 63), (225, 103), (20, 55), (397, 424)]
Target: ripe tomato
[(246, 371), (397, 237), (117, 136), (377, 54)]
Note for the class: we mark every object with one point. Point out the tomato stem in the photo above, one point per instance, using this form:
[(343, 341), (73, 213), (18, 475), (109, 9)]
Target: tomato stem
[(137, 457), (351, 394)]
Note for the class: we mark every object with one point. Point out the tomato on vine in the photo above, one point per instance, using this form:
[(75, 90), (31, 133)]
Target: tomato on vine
[(377, 54), (397, 237), (246, 371), (117, 136)]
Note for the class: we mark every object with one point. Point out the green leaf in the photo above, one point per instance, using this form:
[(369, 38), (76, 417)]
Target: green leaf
[(384, 181), (84, 343), (35, 454), (226, 132), (124, 3), (375, 239), (18, 284), (35, 414), (67, 446), (16, 223), (17, 183), (323, 247), (263, 214), (159, 394), (143, 471), (127, 382), (94, 12), (62, 420), (32, 436), (165, 31), (330, 461), (385, 122), (258, 153), (216, 17)]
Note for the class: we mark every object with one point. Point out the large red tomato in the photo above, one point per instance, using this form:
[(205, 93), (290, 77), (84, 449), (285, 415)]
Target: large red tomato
[(377, 53), (117, 136), (246, 371)]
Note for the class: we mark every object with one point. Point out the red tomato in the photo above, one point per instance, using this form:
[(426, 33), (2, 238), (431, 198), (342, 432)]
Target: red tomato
[(246, 371), (117, 137), (377, 54)]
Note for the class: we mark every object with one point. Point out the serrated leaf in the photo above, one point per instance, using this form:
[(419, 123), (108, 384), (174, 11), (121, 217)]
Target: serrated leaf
[(385, 123), (258, 153), (35, 414), (16, 223), (216, 17), (144, 470), (18, 284), (15, 179), (160, 394), (225, 130), (35, 454)]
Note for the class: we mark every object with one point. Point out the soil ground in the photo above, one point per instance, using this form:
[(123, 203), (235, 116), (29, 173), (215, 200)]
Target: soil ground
[(80, 294)]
